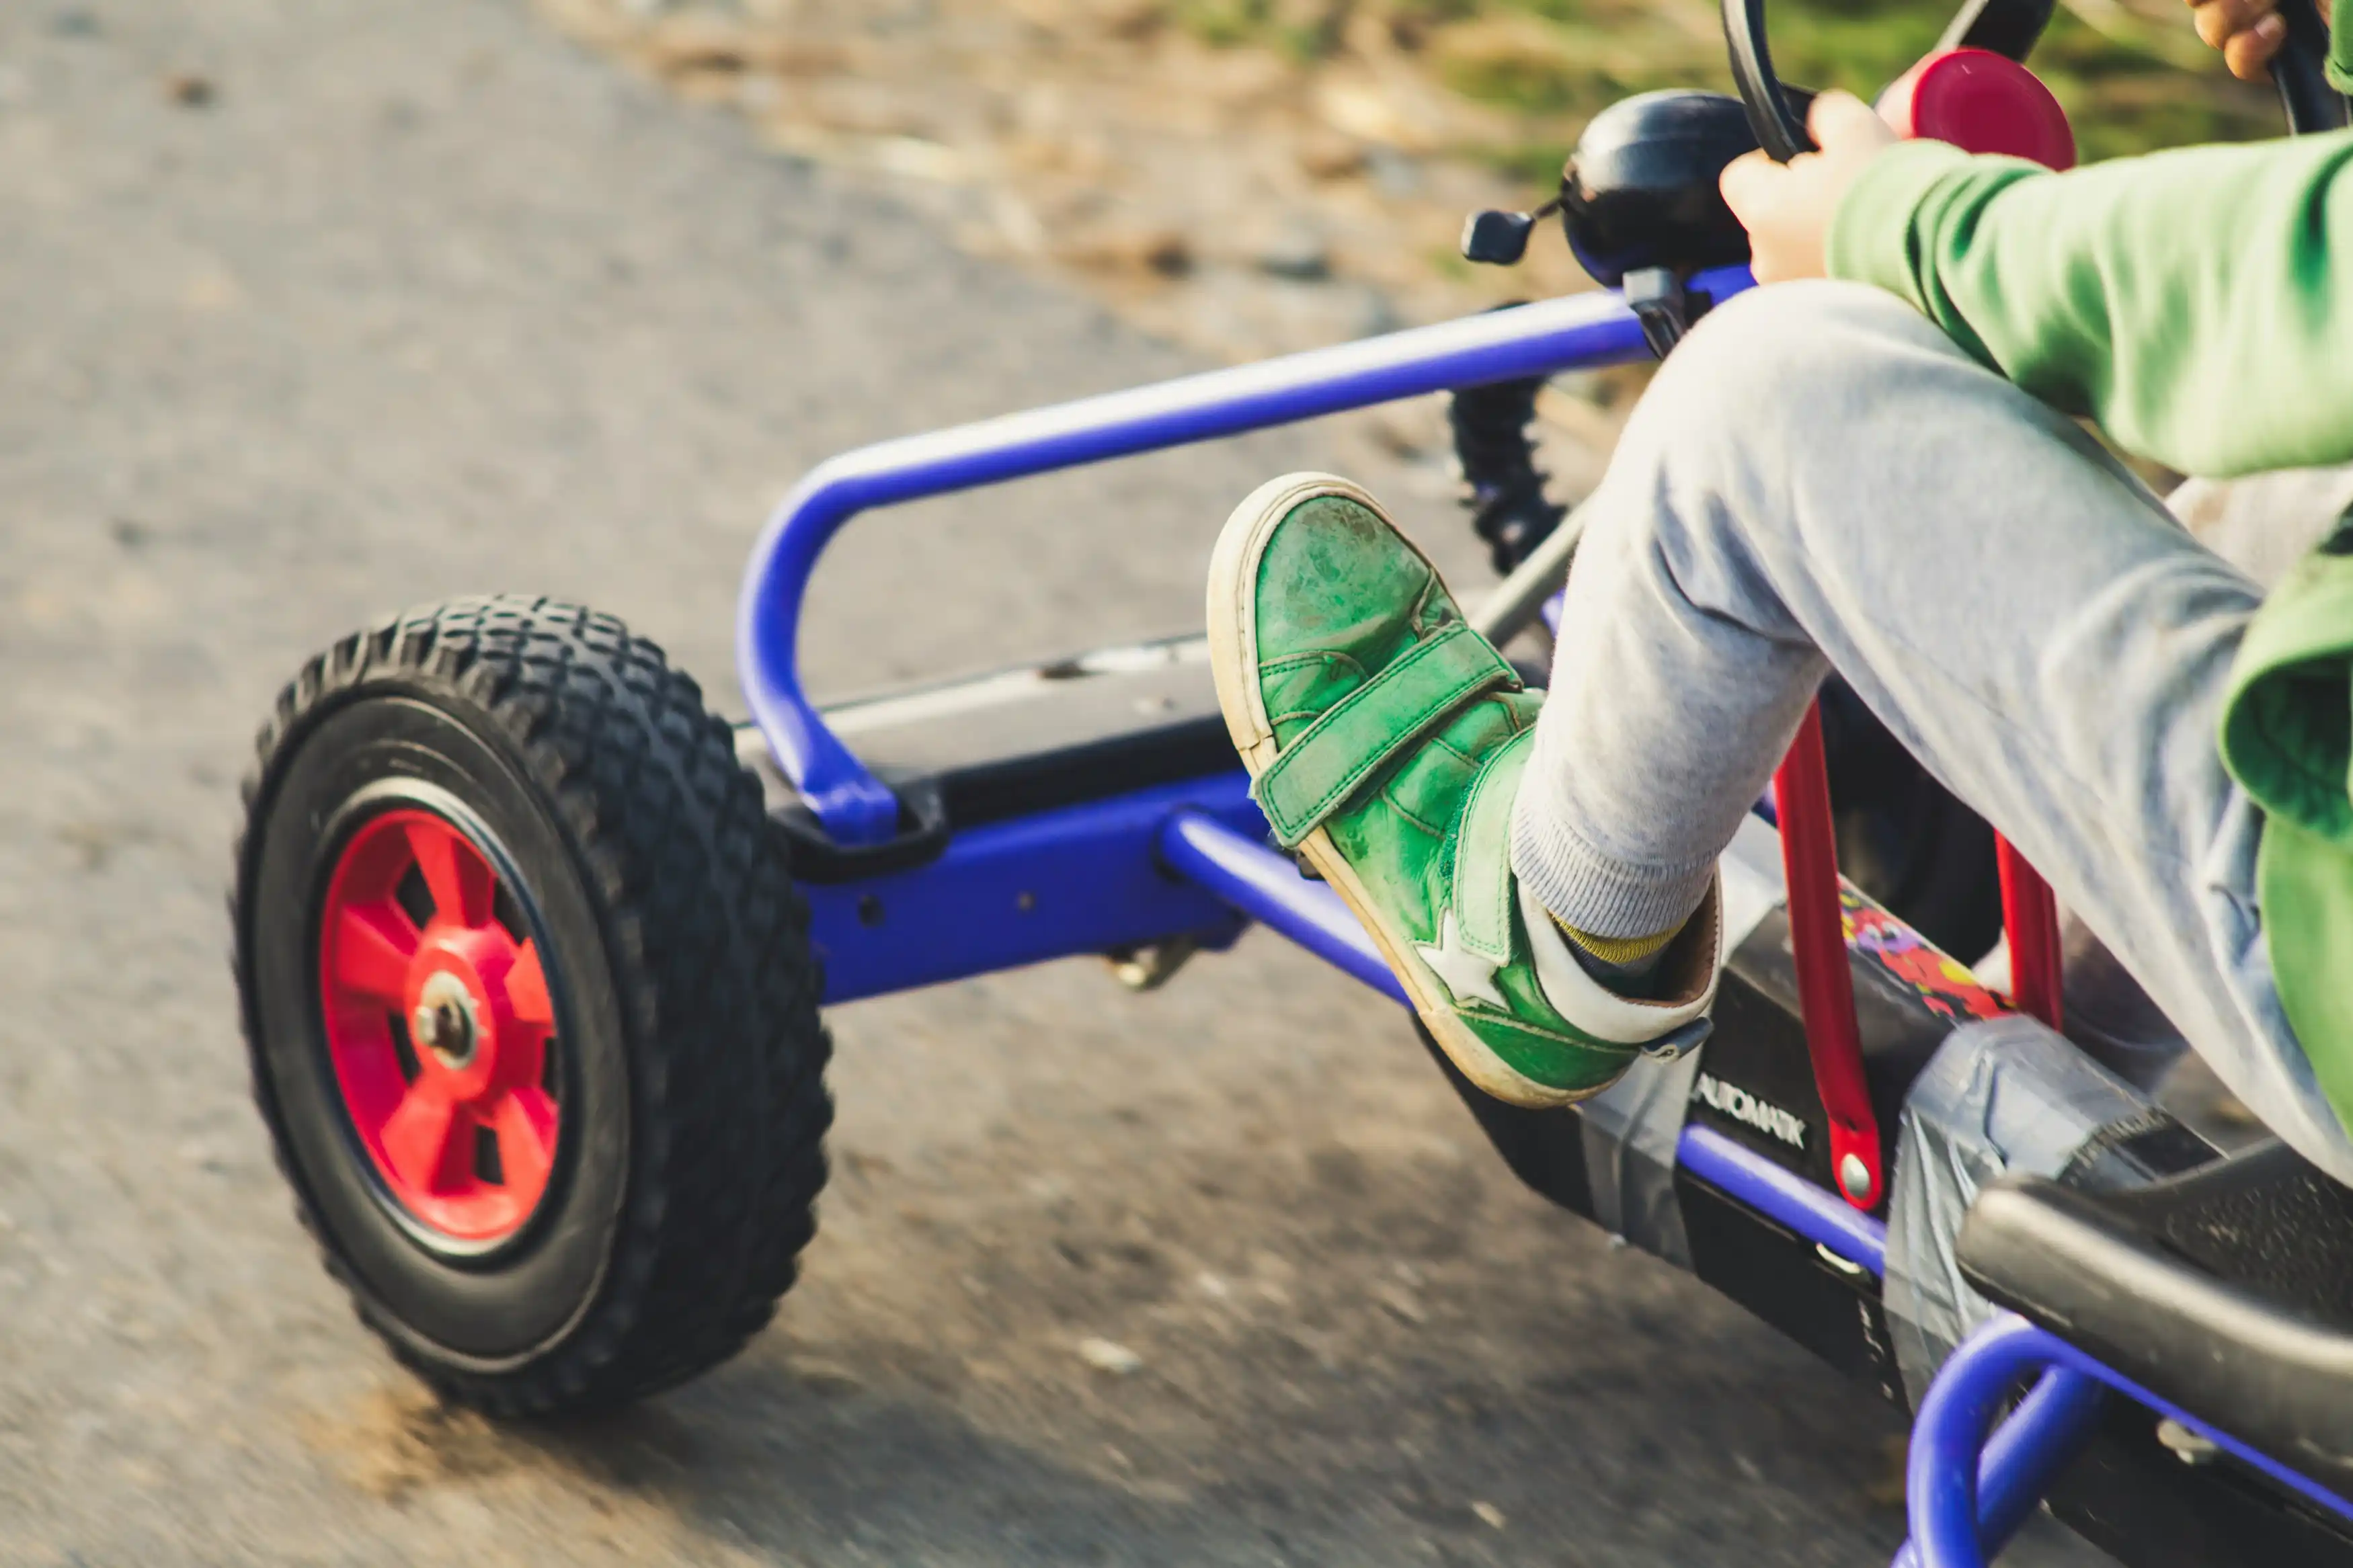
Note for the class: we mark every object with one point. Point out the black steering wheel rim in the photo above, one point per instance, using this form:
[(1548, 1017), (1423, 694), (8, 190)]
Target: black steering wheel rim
[(1781, 128), (2011, 27), (2299, 71)]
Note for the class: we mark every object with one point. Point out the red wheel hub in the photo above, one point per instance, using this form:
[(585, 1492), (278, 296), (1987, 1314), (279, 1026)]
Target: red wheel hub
[(440, 1026)]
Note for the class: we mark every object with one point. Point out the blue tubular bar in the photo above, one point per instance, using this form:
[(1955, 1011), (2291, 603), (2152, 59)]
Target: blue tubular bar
[(1941, 1477), (2046, 1432), (2027, 1452), (1265, 886), (1818, 1214), (1583, 330), (1084, 879)]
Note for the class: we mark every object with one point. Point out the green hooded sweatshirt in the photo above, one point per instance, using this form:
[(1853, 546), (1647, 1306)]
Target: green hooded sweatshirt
[(2186, 301)]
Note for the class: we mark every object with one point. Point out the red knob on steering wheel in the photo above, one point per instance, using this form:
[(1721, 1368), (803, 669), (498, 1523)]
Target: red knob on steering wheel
[(1983, 101)]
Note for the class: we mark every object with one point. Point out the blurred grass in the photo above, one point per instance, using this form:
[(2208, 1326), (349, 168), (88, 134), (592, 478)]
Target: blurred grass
[(2130, 72)]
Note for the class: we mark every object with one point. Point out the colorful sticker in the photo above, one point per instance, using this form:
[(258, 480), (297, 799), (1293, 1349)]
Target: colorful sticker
[(1941, 982)]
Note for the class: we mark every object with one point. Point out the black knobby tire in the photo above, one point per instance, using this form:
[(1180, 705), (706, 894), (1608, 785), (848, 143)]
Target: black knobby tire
[(690, 1152)]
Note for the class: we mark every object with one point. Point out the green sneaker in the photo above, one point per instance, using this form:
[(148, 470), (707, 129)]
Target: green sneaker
[(1385, 740)]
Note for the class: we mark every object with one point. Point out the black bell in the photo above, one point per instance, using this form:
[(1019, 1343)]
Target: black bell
[(1640, 191)]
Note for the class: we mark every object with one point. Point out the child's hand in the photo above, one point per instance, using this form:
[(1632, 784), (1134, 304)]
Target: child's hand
[(2248, 32), (1787, 207)]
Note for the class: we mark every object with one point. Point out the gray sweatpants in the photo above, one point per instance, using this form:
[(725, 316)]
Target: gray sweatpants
[(1819, 478)]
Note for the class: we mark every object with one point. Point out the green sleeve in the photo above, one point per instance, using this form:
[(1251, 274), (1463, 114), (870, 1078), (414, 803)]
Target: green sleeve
[(2185, 300)]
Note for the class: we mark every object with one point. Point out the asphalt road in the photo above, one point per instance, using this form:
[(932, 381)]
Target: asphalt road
[(313, 308)]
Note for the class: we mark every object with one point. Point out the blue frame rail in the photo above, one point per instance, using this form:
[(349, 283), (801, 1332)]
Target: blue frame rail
[(857, 808), (1084, 879), (1964, 1511), (1818, 1214), (1191, 860), (1268, 887)]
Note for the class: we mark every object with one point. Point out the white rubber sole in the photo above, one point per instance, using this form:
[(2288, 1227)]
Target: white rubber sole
[(1233, 663)]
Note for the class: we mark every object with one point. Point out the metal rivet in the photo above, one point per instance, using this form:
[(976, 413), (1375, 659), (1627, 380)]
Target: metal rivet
[(1845, 1266), (2190, 1448), (1147, 968), (1025, 902), (1854, 1178)]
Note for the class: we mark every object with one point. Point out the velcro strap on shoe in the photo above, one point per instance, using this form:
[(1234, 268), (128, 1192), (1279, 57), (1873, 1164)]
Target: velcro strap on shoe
[(1480, 875), (1317, 773)]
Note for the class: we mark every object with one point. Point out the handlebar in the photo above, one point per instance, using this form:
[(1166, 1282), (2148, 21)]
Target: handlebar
[(1780, 130), (2010, 28), (2311, 105)]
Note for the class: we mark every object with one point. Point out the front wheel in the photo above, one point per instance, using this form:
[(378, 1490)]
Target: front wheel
[(530, 1003)]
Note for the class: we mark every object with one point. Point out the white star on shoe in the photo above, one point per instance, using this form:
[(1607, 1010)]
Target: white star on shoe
[(1468, 977)]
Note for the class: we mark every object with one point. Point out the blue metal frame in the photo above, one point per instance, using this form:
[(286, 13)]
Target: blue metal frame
[(1953, 1526), (1580, 332), (1084, 879), (1269, 888), (1191, 860), (1818, 1214), (1181, 861), (2025, 1455)]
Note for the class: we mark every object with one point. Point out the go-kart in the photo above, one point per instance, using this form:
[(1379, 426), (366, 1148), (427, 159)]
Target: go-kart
[(531, 950)]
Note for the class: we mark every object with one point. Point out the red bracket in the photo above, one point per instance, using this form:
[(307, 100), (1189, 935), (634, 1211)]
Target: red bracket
[(2029, 913), (1801, 800)]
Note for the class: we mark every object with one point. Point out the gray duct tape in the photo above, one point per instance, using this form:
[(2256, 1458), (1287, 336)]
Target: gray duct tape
[(2005, 1094), (1631, 1130)]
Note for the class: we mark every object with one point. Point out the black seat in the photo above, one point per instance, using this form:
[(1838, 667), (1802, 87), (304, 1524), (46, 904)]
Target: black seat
[(2228, 1291)]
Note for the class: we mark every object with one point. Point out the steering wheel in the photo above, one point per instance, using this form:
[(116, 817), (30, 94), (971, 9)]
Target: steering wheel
[(2009, 29)]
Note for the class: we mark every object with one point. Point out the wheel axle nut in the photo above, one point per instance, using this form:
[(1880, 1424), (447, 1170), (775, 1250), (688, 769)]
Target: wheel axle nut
[(446, 1021)]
